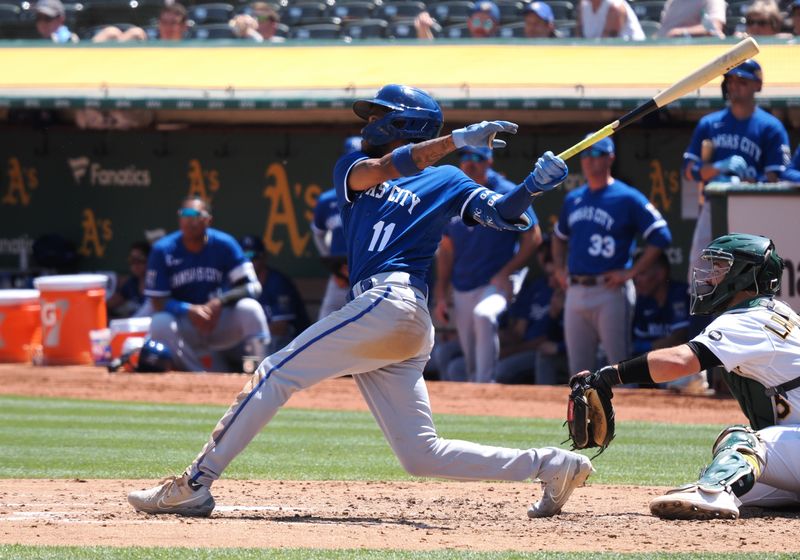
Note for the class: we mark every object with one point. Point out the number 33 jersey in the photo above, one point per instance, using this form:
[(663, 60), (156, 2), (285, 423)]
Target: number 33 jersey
[(760, 340), (396, 226)]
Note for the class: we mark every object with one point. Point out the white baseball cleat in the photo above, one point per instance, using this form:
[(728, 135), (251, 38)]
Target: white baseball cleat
[(174, 496), (561, 474), (691, 502)]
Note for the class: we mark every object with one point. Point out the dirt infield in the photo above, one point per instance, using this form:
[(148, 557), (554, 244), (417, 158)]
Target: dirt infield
[(394, 515)]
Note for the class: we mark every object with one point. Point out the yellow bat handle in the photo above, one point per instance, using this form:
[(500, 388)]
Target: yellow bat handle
[(604, 132)]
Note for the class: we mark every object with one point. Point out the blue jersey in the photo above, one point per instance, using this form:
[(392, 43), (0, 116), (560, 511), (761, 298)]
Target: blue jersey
[(397, 225), (282, 302), (327, 218), (533, 304), (793, 172), (129, 290), (652, 321), (601, 227), (173, 271), (479, 252), (761, 140)]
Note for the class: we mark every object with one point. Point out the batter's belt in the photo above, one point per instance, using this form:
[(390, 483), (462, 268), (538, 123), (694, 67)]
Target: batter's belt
[(398, 278)]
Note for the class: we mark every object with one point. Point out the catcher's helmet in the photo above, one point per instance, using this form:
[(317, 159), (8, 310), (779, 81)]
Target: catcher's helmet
[(735, 262), (154, 357), (749, 70), (412, 115)]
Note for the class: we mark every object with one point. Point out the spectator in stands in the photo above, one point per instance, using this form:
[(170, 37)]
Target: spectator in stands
[(763, 18), (484, 21), (539, 20), (479, 263), (268, 20), (173, 22), (245, 26), (795, 11), (50, 17), (532, 348), (283, 306), (608, 18), (129, 299), (693, 18), (113, 33)]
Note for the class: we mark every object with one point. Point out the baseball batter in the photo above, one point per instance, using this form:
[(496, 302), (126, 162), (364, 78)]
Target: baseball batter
[(204, 292), (593, 244), (757, 339), (329, 239), (394, 206)]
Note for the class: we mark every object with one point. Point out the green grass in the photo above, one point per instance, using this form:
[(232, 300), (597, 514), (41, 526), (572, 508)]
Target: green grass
[(97, 553), (58, 438)]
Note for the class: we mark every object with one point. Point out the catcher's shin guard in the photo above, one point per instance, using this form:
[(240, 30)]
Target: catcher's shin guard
[(739, 458)]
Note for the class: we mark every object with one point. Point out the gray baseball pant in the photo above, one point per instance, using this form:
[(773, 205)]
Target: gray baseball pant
[(476, 319)]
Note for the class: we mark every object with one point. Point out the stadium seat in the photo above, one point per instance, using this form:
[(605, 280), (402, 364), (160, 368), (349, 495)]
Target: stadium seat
[(102, 12), (451, 11), (512, 30), (562, 10), (316, 31), (282, 31), (566, 28), (650, 28), (9, 13), (648, 10), (296, 13), (510, 10), (400, 9), (403, 29), (457, 31), (737, 9), (352, 9), (212, 31), (366, 29), (202, 14)]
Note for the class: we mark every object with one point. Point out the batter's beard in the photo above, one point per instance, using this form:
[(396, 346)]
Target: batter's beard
[(374, 151)]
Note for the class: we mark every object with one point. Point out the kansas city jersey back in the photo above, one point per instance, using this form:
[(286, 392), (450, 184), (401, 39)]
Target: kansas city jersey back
[(397, 225), (173, 271), (761, 140)]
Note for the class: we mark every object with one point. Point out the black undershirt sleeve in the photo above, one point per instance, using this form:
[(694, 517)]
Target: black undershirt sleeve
[(705, 356)]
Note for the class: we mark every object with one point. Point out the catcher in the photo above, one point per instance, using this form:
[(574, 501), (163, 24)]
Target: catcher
[(757, 340)]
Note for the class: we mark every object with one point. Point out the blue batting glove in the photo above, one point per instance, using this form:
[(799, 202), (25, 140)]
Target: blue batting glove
[(549, 172), (478, 135), (734, 165)]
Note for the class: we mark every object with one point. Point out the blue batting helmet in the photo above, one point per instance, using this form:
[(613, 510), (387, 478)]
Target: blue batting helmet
[(154, 357), (412, 115)]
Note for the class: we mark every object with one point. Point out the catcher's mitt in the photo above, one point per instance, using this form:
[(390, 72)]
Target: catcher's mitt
[(590, 414)]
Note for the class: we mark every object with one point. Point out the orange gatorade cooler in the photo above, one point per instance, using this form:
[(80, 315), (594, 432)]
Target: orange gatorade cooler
[(20, 329), (123, 329), (72, 306)]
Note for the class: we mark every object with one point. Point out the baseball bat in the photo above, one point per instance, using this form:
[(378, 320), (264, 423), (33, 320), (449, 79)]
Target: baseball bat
[(730, 59)]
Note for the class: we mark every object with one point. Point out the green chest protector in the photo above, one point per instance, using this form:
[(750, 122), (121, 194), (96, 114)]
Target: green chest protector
[(753, 400)]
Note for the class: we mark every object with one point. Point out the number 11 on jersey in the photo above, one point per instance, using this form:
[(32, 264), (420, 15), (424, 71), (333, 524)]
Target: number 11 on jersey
[(387, 233)]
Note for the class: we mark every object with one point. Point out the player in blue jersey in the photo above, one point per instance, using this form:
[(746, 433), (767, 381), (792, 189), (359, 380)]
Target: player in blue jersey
[(329, 239), (792, 173), (283, 306), (593, 243), (203, 290), (395, 205), (742, 143), (479, 262)]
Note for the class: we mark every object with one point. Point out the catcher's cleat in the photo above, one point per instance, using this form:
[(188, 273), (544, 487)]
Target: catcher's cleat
[(174, 496), (562, 473), (691, 502)]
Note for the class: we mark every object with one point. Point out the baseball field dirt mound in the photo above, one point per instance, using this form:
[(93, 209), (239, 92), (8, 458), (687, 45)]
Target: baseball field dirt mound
[(382, 515)]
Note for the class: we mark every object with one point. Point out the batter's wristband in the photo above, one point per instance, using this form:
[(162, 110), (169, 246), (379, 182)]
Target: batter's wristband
[(694, 171), (635, 370), (177, 308), (403, 162)]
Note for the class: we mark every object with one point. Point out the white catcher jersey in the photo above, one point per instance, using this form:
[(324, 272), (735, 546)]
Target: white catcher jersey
[(760, 340)]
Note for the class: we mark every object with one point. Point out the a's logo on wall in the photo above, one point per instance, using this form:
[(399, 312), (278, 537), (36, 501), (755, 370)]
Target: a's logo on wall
[(203, 183), (21, 181), (97, 232), (98, 176), (282, 213)]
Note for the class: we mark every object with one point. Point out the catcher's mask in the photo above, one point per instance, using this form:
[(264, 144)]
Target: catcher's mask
[(733, 263)]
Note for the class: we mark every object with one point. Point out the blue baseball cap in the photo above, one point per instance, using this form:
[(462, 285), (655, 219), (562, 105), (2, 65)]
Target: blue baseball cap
[(252, 246), (604, 146), (749, 70), (486, 6), (484, 153), (544, 11), (352, 144)]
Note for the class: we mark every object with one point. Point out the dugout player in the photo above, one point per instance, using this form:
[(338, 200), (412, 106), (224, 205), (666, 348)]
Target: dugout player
[(328, 236), (757, 340), (479, 262), (204, 292), (395, 205), (593, 243), (745, 144)]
